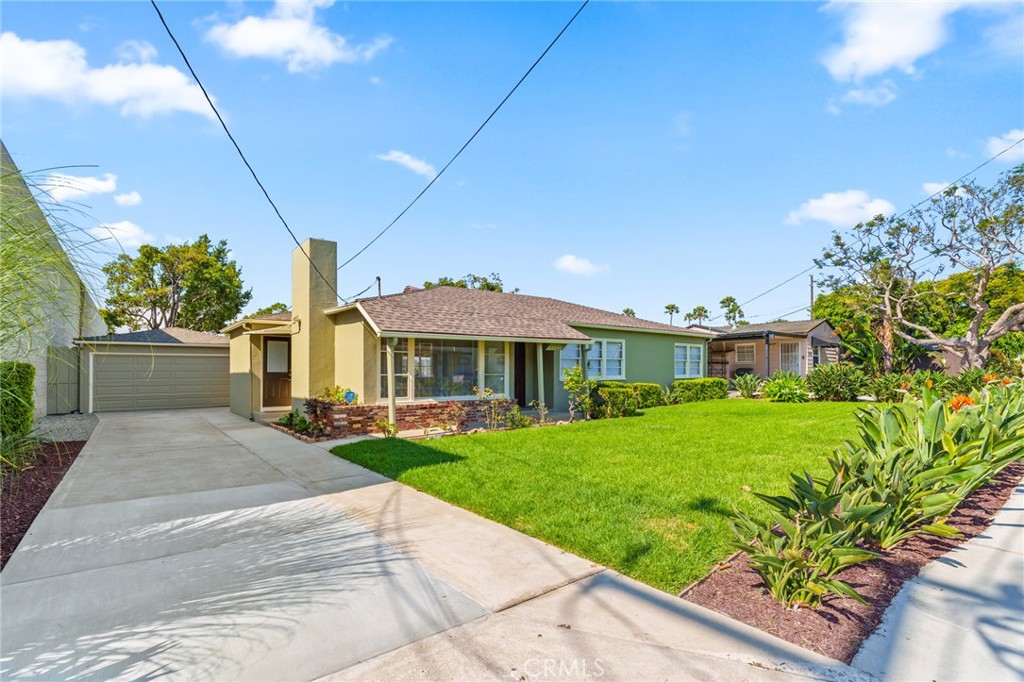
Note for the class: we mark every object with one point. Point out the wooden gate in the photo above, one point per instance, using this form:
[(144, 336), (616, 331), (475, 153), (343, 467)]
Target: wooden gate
[(62, 380)]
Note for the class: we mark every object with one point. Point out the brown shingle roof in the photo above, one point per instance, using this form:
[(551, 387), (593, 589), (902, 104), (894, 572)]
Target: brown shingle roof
[(799, 327), (178, 335), (286, 316), (471, 312)]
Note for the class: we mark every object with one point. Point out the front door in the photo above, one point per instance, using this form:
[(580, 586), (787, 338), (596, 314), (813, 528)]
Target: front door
[(789, 359), (519, 373), (277, 371)]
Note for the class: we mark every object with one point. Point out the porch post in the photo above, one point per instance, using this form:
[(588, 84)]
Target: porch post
[(540, 374), (767, 355), (389, 344)]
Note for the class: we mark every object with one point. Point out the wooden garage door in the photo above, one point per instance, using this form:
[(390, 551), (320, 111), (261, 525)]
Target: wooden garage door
[(152, 382)]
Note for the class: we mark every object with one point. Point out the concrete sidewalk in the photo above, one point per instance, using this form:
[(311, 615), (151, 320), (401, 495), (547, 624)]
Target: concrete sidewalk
[(197, 545), (962, 617)]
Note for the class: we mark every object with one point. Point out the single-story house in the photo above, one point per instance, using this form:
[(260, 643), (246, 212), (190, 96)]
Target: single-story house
[(52, 306), (436, 345), (152, 369), (763, 349)]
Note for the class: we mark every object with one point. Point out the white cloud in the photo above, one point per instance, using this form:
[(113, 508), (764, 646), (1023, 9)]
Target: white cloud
[(994, 145), (62, 187), (375, 80), (290, 33), (58, 70), (575, 265), (128, 199), (126, 233), (136, 51), (954, 153), (880, 36), (840, 209), (877, 96), (418, 166), (930, 188)]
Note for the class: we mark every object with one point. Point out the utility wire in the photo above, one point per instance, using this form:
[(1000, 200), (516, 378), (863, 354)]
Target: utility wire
[(239, 149), (471, 138), (355, 296), (861, 239)]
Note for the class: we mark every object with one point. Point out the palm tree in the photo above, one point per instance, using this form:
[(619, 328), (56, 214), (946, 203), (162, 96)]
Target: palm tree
[(698, 314), (670, 310)]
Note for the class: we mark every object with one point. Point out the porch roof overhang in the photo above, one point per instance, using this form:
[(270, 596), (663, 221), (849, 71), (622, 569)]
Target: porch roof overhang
[(278, 330), (247, 324)]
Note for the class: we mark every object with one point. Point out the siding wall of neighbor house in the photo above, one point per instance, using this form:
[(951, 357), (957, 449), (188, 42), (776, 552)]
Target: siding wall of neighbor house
[(141, 377), (775, 351)]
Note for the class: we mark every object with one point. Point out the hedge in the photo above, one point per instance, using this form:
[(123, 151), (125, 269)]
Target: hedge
[(17, 398), (697, 390), (613, 402), (647, 395)]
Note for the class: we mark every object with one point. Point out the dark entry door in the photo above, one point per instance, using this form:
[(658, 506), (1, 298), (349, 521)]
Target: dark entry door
[(519, 373), (277, 371)]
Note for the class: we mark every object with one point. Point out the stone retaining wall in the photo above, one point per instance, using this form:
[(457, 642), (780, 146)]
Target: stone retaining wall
[(352, 420)]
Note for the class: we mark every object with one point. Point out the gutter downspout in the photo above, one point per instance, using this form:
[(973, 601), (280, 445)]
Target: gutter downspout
[(392, 400)]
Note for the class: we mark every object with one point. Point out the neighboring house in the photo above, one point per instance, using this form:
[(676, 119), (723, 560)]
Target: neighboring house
[(443, 342), (53, 307), (153, 369), (763, 349)]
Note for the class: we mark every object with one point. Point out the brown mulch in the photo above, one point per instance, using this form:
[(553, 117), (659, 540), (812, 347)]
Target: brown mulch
[(24, 493), (837, 628)]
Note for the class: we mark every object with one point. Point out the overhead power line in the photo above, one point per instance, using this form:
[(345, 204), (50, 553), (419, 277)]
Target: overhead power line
[(238, 149), (906, 212), (471, 138)]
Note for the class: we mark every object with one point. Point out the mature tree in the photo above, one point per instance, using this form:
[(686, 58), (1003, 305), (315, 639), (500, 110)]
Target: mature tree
[(180, 285), (471, 281), (731, 311), (896, 261), (271, 309), (698, 314), (629, 312), (671, 309)]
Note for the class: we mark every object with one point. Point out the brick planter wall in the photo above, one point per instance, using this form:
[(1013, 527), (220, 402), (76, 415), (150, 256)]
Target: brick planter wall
[(353, 420)]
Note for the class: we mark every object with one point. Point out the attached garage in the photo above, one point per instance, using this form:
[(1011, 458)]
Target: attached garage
[(153, 370)]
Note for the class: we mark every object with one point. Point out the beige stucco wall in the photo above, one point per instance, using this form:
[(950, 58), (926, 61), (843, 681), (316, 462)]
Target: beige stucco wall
[(355, 355), (313, 344), (774, 353), (242, 379)]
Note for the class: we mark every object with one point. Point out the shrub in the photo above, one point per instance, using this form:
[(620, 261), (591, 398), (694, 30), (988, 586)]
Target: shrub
[(937, 382), (698, 390), (288, 419), (836, 382), (646, 394), (967, 381), (17, 398), (515, 419), (613, 402), (747, 384), (785, 387), (389, 429), (579, 390), (338, 396), (887, 388)]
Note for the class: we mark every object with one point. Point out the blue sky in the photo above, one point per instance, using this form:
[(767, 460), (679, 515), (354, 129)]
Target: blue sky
[(661, 153)]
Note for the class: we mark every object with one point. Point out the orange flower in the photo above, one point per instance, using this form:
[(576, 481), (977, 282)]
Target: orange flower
[(928, 383), (1006, 381), (989, 378), (960, 401)]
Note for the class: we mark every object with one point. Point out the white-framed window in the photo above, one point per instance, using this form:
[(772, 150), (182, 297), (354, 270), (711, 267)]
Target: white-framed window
[(439, 369), (689, 361), (789, 357), (606, 359), (568, 358), (744, 353)]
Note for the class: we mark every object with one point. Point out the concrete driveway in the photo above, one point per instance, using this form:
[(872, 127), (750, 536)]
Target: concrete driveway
[(197, 545)]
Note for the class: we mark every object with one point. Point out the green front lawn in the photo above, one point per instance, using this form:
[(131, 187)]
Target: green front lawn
[(647, 495)]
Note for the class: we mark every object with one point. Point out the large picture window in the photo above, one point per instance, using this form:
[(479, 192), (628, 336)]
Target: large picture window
[(569, 358), (689, 361), (445, 368)]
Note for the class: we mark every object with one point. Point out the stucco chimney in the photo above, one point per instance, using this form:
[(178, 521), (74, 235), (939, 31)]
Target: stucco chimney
[(313, 345)]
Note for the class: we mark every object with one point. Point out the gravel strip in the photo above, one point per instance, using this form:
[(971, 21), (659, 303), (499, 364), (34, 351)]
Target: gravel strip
[(59, 428)]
